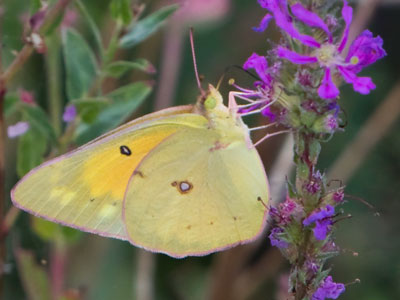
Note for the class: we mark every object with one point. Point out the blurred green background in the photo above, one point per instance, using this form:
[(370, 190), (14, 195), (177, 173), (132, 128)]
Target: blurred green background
[(100, 268)]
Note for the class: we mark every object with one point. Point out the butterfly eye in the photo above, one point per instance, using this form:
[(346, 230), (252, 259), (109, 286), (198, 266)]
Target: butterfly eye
[(210, 102)]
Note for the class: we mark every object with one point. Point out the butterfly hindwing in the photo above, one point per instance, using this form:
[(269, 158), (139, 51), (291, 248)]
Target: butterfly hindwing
[(192, 195)]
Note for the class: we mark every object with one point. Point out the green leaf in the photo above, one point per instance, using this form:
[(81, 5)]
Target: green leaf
[(118, 68), (31, 148), (147, 26), (92, 25), (35, 6), (89, 108), (121, 11), (46, 230), (50, 231), (80, 64), (10, 104), (39, 120), (34, 277), (125, 101)]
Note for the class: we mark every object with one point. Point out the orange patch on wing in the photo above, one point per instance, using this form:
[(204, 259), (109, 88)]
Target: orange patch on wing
[(114, 169)]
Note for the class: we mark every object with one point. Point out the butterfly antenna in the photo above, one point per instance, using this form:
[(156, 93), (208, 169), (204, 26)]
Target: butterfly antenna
[(195, 64)]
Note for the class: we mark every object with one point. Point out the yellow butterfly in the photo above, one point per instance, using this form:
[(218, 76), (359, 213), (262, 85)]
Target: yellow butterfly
[(184, 181)]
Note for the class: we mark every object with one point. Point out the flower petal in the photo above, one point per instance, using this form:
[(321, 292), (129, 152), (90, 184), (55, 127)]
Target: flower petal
[(296, 58), (365, 50), (362, 85), (310, 18), (347, 14), (327, 89), (17, 129), (263, 24), (69, 113), (260, 65)]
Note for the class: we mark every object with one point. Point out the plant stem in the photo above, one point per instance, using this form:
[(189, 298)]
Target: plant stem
[(53, 81)]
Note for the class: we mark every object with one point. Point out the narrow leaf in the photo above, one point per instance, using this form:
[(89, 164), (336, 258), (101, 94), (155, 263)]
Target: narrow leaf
[(119, 68), (10, 104), (121, 11), (80, 64), (31, 148), (89, 108), (125, 102), (38, 119), (147, 26), (34, 277)]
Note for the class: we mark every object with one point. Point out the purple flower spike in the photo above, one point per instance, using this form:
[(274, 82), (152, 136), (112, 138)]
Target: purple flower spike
[(310, 18), (69, 113), (365, 50), (17, 129), (328, 290), (328, 89), (263, 24), (331, 123), (275, 240)]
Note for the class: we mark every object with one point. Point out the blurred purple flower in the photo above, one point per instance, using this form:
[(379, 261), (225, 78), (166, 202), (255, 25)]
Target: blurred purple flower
[(319, 214), (26, 96), (331, 123), (323, 221), (69, 113), (338, 196), (70, 18), (328, 290), (276, 240), (364, 51), (17, 129)]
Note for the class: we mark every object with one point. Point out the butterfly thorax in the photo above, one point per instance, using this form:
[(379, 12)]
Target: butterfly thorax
[(227, 124)]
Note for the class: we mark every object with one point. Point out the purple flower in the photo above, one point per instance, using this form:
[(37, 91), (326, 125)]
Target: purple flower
[(364, 51), (338, 196), (69, 113), (264, 89), (280, 12), (328, 290), (260, 65), (17, 129), (319, 214), (286, 211), (331, 123), (276, 239), (323, 221)]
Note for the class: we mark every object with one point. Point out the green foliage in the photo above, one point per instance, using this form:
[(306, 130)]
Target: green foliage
[(33, 276), (39, 120), (31, 150), (10, 104), (147, 26), (121, 11), (89, 108), (80, 64), (119, 68), (51, 232), (125, 100)]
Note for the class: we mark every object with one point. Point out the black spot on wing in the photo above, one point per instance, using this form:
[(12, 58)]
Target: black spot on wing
[(125, 150)]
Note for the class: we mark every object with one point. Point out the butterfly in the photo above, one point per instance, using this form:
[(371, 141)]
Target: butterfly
[(184, 181)]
